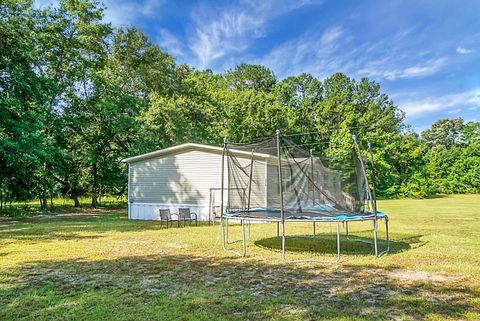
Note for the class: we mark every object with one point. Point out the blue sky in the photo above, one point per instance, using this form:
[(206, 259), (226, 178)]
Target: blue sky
[(425, 54)]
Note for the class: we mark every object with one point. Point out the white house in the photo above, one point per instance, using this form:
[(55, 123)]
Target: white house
[(188, 175)]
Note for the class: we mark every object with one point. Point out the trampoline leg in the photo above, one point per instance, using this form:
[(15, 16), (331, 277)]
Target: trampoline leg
[(226, 231), (223, 225), (283, 241), (375, 238), (387, 238), (278, 229), (346, 229), (338, 241), (313, 229), (223, 233), (243, 239)]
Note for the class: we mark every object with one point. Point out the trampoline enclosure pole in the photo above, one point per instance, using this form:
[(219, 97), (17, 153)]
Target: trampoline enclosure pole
[(374, 201), (312, 179), (374, 196), (250, 182), (282, 214), (374, 209), (222, 188), (359, 155)]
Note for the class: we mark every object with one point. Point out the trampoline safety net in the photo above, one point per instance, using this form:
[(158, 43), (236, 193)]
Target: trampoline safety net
[(311, 186)]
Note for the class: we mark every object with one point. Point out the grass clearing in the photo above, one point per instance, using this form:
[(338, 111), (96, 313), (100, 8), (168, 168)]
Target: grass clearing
[(95, 264)]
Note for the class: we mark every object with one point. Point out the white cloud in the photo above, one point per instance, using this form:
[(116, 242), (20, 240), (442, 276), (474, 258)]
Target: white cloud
[(324, 52), (454, 111), (125, 12), (463, 51), (422, 69), (312, 52), (120, 12), (168, 42), (331, 34), (452, 102), (225, 31), (231, 32)]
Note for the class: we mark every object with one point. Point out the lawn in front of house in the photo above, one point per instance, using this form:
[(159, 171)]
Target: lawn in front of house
[(97, 265)]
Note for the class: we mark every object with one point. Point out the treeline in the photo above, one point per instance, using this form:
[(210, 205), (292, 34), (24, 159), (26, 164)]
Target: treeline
[(77, 96)]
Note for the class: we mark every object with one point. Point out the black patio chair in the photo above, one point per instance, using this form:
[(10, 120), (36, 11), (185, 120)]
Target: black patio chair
[(166, 216), (185, 215)]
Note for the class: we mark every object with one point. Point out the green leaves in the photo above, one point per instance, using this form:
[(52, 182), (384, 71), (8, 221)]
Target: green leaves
[(77, 96), (453, 157)]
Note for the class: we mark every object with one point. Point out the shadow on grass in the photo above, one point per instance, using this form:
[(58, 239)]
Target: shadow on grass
[(210, 288), (71, 226), (327, 244)]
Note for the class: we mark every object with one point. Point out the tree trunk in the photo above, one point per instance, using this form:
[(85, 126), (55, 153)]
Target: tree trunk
[(43, 201), (75, 200), (94, 200), (94, 186)]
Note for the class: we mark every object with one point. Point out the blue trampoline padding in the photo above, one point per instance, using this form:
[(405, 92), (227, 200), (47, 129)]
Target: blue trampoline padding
[(381, 214), (257, 209), (346, 217), (323, 207), (340, 217)]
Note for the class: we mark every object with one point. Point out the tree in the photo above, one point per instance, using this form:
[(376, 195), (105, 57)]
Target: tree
[(26, 149), (444, 132), (74, 46), (77, 96), (256, 77), (300, 95), (453, 156)]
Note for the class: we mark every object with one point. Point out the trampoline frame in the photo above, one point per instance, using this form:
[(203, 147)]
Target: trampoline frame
[(225, 218)]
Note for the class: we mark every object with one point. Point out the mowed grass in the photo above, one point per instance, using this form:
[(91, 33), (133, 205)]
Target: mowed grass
[(97, 265)]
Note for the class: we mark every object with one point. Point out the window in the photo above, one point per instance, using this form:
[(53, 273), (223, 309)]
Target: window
[(287, 179)]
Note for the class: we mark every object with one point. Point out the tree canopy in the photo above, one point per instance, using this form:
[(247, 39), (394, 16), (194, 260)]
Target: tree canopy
[(77, 96)]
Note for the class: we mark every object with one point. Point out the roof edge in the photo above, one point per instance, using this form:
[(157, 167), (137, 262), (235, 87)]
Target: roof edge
[(186, 146)]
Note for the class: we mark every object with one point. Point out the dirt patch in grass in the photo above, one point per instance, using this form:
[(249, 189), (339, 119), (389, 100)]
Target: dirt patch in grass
[(100, 266), (176, 245), (238, 289), (420, 276)]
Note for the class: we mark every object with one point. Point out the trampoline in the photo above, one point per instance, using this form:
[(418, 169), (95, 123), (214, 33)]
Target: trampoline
[(276, 181), (307, 214)]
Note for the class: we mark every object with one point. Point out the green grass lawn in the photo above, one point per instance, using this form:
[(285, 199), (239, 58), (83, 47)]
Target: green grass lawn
[(97, 265)]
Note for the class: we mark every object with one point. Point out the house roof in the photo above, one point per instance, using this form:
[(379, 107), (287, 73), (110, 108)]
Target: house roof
[(189, 147)]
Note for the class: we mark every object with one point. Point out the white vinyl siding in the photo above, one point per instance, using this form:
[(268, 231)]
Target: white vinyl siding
[(175, 179), (238, 198), (184, 179), (257, 198), (273, 196)]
